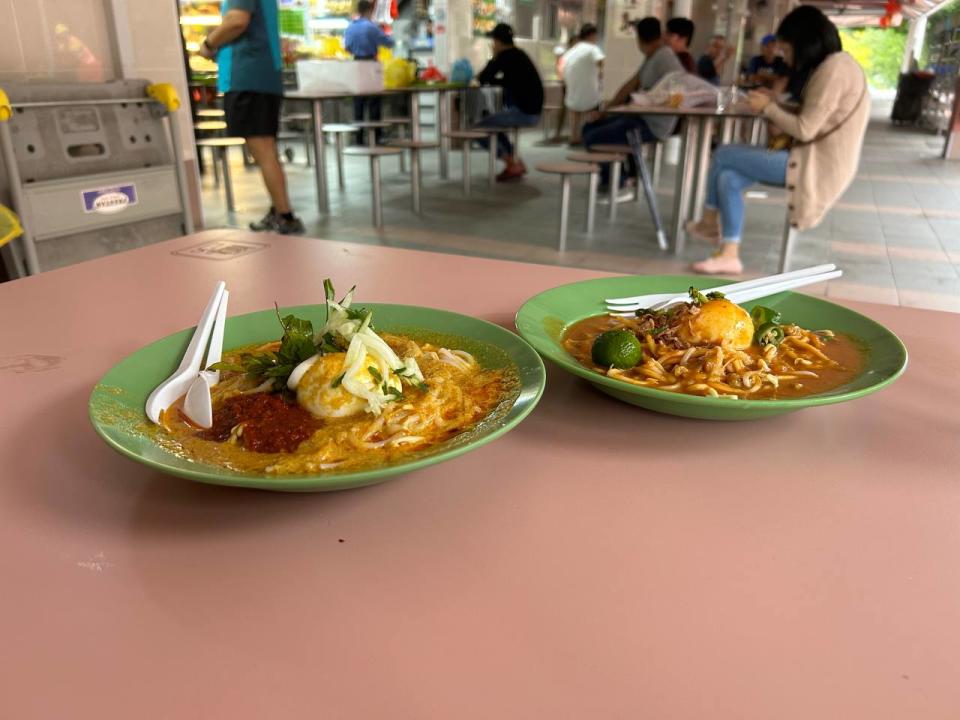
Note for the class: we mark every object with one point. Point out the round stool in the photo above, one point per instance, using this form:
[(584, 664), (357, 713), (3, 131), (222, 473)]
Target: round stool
[(219, 147), (467, 137), (210, 113), (414, 146), (599, 158), (374, 153), (210, 126), (338, 130), (566, 170), (371, 126)]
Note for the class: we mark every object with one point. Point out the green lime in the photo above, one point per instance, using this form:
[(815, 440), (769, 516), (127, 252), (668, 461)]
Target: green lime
[(617, 348)]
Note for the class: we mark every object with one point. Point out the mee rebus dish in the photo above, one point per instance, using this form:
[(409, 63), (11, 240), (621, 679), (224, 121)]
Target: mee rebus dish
[(713, 347), (710, 358), (328, 396)]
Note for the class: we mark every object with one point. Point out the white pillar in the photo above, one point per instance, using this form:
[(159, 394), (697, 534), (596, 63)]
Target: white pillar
[(914, 44), (682, 8)]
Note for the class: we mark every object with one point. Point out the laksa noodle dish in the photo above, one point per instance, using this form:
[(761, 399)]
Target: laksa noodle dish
[(343, 397), (712, 347)]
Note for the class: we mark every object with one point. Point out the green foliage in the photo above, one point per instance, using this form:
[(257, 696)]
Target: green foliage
[(879, 52)]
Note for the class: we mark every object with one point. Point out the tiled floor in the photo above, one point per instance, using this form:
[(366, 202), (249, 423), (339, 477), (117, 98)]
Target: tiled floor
[(895, 233)]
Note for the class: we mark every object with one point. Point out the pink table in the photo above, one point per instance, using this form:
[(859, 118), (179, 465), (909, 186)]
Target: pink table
[(597, 562)]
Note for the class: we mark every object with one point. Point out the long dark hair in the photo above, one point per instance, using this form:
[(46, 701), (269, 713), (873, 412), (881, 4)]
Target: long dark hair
[(813, 37)]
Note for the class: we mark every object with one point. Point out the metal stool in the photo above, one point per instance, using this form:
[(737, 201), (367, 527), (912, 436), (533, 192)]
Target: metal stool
[(614, 160), (219, 147), (208, 129), (414, 146), (338, 130), (544, 116), (298, 125), (401, 125), (211, 113), (466, 138), (565, 170), (371, 126), (627, 150), (374, 153)]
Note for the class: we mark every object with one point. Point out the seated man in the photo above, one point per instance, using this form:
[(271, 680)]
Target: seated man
[(511, 69), (581, 66), (710, 65), (362, 39), (679, 35), (768, 69), (659, 60)]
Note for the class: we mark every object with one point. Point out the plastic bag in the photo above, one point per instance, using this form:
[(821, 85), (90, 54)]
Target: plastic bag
[(462, 72), (679, 90), (399, 73), (9, 226)]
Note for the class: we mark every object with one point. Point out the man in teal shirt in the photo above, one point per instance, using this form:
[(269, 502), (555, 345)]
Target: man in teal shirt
[(246, 46)]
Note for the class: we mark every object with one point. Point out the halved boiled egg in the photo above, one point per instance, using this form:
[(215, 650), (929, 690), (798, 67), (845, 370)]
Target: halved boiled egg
[(719, 322), (320, 387)]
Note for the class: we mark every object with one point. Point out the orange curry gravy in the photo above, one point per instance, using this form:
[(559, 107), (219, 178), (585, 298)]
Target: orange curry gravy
[(847, 352)]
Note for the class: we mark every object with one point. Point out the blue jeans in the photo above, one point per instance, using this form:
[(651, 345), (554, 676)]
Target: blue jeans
[(507, 118), (733, 170), (613, 131)]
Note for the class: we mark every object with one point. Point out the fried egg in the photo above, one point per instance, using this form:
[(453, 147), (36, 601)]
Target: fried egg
[(719, 322), (320, 388)]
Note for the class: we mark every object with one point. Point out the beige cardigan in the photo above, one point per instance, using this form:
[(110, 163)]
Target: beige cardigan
[(829, 129)]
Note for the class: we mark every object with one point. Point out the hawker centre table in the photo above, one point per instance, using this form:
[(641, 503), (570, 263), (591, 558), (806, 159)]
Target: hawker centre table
[(598, 561)]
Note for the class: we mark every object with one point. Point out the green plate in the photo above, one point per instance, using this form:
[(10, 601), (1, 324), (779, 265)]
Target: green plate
[(545, 317), (117, 402)]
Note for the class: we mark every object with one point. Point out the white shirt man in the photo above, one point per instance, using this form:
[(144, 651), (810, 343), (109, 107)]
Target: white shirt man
[(581, 72)]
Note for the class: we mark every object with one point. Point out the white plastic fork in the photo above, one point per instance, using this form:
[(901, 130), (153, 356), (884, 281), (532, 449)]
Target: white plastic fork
[(167, 392), (653, 301), (754, 293)]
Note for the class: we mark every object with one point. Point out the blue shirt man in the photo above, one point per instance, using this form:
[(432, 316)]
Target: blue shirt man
[(252, 62), (363, 37), (246, 46)]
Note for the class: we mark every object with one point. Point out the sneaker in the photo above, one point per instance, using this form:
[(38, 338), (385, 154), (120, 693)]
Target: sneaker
[(266, 223), (514, 171), (293, 226), (624, 195)]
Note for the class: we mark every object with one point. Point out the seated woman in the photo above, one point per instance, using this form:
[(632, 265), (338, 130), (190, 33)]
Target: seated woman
[(826, 131)]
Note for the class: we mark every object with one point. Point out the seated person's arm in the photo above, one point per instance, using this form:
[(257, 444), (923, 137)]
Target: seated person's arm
[(623, 94), (488, 76), (820, 101), (234, 24)]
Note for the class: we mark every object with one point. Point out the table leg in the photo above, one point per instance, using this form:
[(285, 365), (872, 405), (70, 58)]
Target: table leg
[(703, 166), (755, 128), (657, 163), (402, 135), (443, 126), (592, 201), (415, 115), (726, 131), (415, 178), (319, 156), (375, 181), (227, 180), (492, 161), (681, 197), (564, 210), (615, 188), (463, 108), (338, 139), (466, 167)]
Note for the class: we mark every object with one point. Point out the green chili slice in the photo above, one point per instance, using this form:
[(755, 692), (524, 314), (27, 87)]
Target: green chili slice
[(762, 315), (769, 334)]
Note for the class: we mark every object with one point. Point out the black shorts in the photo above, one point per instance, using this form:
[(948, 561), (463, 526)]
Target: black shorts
[(252, 114)]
